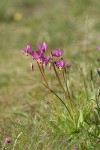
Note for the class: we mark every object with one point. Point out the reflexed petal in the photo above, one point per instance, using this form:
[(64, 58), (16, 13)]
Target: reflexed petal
[(43, 47), (28, 48), (57, 53), (38, 56), (60, 64), (23, 51), (39, 46)]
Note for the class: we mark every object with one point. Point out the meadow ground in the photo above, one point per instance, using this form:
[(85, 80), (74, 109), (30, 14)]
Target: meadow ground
[(25, 106)]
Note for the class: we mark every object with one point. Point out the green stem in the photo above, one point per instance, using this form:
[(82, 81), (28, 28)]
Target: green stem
[(66, 81), (44, 77), (61, 101), (60, 83)]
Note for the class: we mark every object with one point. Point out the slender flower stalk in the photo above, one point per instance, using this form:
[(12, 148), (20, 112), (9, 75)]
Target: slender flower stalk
[(58, 77), (61, 101), (43, 75), (62, 87), (65, 80), (68, 93)]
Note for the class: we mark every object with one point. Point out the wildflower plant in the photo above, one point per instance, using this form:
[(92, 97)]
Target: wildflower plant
[(72, 116), (60, 67)]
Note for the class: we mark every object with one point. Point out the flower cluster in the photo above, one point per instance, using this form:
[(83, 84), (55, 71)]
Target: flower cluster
[(39, 56)]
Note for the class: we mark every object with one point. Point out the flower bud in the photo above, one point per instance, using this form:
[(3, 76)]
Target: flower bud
[(7, 140), (32, 67)]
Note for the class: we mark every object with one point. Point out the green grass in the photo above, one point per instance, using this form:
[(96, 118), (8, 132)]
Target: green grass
[(25, 105)]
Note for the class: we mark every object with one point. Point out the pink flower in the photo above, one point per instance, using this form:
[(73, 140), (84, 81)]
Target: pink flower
[(27, 50), (8, 140), (45, 61), (57, 53), (60, 64), (32, 54), (38, 56), (43, 47), (98, 48)]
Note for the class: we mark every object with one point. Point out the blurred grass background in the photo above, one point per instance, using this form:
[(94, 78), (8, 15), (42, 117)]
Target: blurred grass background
[(71, 25)]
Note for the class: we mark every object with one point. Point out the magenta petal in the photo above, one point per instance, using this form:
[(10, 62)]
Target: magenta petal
[(28, 48), (42, 47), (60, 64), (7, 140), (32, 54), (45, 46), (38, 56), (57, 53), (39, 46), (23, 51), (45, 61)]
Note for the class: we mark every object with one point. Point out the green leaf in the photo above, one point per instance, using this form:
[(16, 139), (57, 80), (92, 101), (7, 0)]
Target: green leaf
[(81, 118), (23, 114)]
